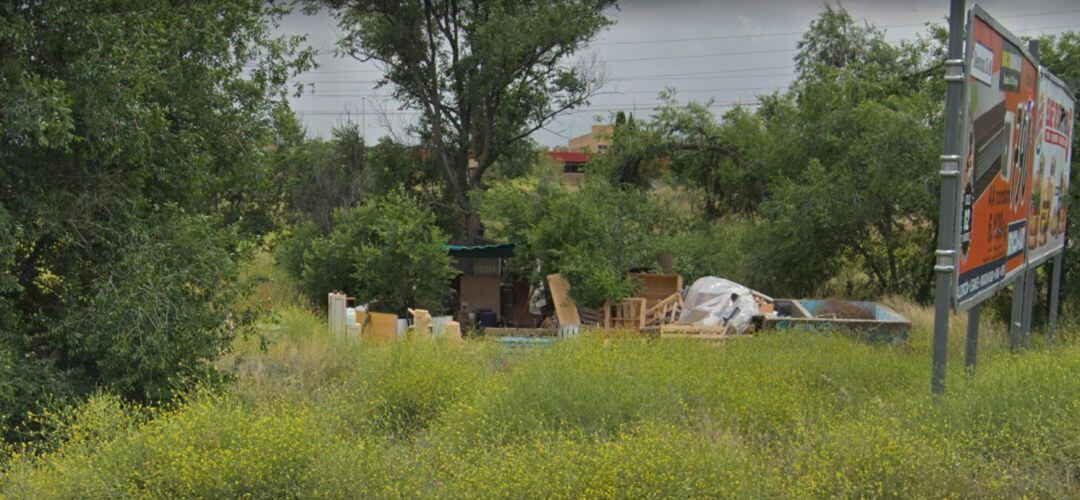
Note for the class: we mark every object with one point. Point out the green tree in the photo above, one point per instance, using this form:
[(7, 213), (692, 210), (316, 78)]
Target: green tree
[(134, 141), (633, 156), (727, 160), (861, 126), (484, 74), (328, 175), (387, 252), (594, 235)]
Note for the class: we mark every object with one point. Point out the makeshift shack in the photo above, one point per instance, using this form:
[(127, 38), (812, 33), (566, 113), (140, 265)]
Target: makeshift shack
[(483, 294)]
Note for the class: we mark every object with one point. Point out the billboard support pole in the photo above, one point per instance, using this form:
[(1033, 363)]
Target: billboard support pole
[(1029, 271), (1055, 291), (945, 265), (1016, 319), (1029, 306), (971, 348)]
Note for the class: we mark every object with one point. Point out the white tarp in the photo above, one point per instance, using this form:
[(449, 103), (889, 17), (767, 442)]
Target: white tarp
[(713, 301)]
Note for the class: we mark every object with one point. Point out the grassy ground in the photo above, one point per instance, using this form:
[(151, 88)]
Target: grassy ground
[(779, 415)]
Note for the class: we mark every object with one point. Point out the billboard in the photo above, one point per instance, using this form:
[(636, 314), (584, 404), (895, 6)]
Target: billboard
[(996, 161), (1050, 174)]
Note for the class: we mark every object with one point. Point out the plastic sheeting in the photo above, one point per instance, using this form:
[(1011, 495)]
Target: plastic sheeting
[(713, 301)]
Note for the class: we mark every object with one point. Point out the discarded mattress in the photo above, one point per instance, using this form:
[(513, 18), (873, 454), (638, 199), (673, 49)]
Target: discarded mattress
[(713, 301)]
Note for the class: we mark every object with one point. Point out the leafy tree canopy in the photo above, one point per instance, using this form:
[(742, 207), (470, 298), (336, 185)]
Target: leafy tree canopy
[(134, 141), (485, 74)]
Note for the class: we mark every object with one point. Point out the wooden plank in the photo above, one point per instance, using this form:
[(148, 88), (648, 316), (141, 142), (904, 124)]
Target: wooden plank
[(380, 327), (565, 308), (657, 287)]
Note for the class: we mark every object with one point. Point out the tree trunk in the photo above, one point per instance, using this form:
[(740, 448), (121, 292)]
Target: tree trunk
[(473, 228)]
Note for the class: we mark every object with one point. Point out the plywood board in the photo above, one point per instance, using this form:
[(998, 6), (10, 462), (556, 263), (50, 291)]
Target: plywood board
[(565, 308), (480, 292), (657, 287), (380, 327)]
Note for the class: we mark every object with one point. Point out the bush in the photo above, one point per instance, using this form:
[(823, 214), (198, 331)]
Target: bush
[(783, 415), (290, 248), (593, 236), (30, 386), (713, 249), (386, 252), (160, 316)]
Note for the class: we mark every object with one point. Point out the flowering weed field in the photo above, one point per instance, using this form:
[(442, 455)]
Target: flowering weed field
[(792, 415)]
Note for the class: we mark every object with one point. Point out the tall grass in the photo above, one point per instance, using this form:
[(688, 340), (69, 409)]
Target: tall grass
[(786, 414)]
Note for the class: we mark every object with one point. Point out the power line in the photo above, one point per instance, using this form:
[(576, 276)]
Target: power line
[(613, 92), (588, 109), (699, 74), (791, 33), (706, 77), (677, 57)]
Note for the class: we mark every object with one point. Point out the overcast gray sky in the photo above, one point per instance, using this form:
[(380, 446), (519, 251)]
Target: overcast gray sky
[(725, 50)]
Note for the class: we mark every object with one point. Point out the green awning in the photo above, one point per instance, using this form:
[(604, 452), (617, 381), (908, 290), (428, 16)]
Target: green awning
[(488, 251)]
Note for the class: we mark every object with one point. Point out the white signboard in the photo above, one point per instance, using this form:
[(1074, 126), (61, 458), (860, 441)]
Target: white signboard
[(1050, 182)]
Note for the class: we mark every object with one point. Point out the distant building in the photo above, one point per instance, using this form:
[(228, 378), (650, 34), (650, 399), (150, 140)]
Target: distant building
[(581, 149), (573, 164), (598, 140)]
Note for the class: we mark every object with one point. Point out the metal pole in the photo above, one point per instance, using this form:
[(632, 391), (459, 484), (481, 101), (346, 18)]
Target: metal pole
[(1055, 292), (945, 267), (1016, 319), (1029, 271), (971, 348), (1029, 305)]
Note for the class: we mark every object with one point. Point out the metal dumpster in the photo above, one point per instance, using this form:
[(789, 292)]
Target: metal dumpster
[(868, 320)]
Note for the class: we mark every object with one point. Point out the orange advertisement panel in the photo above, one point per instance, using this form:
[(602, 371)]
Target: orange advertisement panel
[(1050, 180), (995, 179)]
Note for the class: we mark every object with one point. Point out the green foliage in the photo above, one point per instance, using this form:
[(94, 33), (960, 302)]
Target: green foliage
[(727, 160), (29, 384), (593, 235), (293, 242), (632, 156), (327, 175), (484, 74), (130, 167), (595, 416), (714, 249), (321, 176), (165, 314), (835, 173), (386, 252)]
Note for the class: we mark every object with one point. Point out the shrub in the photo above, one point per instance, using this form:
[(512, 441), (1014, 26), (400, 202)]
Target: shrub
[(161, 315), (593, 236), (782, 415), (387, 252)]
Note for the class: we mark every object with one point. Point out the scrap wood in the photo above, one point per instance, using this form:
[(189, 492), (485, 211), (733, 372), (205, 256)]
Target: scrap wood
[(627, 313), (666, 311), (657, 287), (565, 309), (590, 316)]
